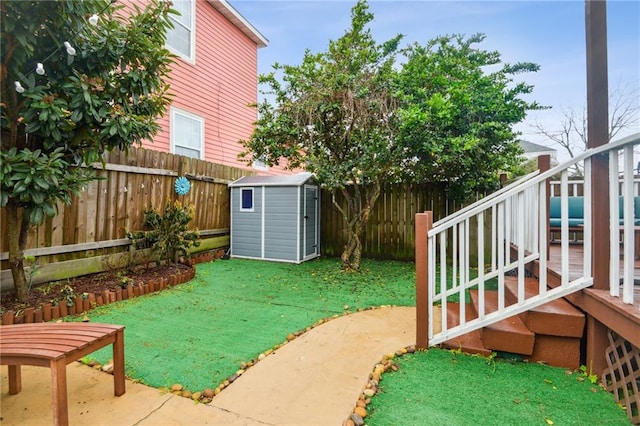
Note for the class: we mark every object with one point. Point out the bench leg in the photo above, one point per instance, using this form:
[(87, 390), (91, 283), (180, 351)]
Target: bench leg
[(59, 391), (15, 379), (118, 364)]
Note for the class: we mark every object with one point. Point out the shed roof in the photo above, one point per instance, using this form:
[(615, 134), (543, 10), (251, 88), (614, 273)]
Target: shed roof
[(284, 180)]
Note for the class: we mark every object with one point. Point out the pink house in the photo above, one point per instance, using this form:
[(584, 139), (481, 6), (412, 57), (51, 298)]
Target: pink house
[(213, 81)]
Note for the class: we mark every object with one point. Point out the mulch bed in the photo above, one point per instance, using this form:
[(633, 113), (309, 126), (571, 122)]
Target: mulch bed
[(90, 284)]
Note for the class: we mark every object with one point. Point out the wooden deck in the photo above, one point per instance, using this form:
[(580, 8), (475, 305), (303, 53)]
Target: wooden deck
[(620, 317), (576, 256)]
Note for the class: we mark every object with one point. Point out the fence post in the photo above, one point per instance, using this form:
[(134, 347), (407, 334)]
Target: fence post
[(424, 222), (503, 180)]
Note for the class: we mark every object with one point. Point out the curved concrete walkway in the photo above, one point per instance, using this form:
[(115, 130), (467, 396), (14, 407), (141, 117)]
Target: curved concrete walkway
[(313, 380)]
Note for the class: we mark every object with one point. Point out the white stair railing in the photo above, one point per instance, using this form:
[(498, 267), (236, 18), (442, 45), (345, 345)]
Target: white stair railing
[(624, 209), (511, 229)]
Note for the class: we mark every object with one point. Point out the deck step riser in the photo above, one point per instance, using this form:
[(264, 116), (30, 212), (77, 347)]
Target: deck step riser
[(508, 335), (557, 351), (549, 334), (498, 339), (556, 318), (470, 343)]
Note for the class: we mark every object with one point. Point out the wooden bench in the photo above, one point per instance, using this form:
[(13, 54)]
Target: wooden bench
[(55, 345)]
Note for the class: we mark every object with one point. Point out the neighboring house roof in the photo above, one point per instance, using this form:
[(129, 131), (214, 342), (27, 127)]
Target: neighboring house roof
[(532, 150), (284, 180), (239, 21)]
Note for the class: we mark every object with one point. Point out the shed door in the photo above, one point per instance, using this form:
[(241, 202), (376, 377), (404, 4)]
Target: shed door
[(310, 220)]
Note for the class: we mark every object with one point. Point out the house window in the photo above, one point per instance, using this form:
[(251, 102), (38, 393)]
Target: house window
[(181, 38), (246, 199), (187, 134), (259, 165)]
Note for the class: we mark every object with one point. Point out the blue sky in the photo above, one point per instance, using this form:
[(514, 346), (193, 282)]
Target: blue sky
[(549, 33)]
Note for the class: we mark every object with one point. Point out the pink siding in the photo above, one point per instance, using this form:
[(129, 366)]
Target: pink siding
[(218, 87)]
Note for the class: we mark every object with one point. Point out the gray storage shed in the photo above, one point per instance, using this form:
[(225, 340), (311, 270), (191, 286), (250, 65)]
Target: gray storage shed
[(275, 218)]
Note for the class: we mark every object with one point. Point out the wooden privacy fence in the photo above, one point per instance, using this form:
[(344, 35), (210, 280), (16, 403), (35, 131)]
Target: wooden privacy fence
[(89, 235), (390, 232)]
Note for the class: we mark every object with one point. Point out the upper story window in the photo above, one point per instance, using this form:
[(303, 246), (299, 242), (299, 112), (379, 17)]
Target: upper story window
[(259, 165), (181, 38), (187, 134)]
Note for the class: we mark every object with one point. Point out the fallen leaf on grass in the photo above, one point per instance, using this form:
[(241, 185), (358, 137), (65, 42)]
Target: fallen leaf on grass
[(549, 421)]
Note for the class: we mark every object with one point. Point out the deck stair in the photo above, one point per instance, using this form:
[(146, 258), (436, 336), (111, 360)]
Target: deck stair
[(471, 342), (550, 333)]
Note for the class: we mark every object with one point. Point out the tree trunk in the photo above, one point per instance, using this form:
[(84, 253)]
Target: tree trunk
[(18, 230), (360, 202), (352, 253)]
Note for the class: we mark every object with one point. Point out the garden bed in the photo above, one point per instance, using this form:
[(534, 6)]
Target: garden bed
[(77, 295)]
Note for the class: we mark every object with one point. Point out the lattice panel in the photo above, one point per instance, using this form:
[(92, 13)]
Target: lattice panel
[(622, 377)]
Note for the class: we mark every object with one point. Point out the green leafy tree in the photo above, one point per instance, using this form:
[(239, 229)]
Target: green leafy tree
[(334, 116), (459, 105), (357, 118), (99, 87)]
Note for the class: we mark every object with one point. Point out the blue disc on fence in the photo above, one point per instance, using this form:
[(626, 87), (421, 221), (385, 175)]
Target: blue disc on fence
[(182, 186)]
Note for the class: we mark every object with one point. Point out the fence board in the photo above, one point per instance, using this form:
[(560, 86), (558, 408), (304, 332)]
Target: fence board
[(105, 211), (390, 233), (133, 182)]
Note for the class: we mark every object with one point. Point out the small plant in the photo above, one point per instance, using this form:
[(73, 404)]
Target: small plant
[(168, 233), (112, 265), (124, 281), (491, 360), (33, 269), (593, 378), (67, 294), (455, 353), (50, 287)]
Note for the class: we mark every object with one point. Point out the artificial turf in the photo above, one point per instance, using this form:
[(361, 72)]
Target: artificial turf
[(439, 387), (197, 334)]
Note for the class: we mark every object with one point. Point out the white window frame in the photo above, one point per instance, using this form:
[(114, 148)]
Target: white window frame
[(192, 35), (253, 200), (175, 134)]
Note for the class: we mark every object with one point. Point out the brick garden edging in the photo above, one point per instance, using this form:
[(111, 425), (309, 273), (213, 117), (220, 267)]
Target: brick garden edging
[(86, 302)]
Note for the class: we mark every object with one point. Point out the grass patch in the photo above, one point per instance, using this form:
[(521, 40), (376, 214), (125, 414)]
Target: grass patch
[(444, 387), (198, 333)]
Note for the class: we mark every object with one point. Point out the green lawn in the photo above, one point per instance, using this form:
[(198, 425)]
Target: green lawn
[(198, 333), (439, 387)]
